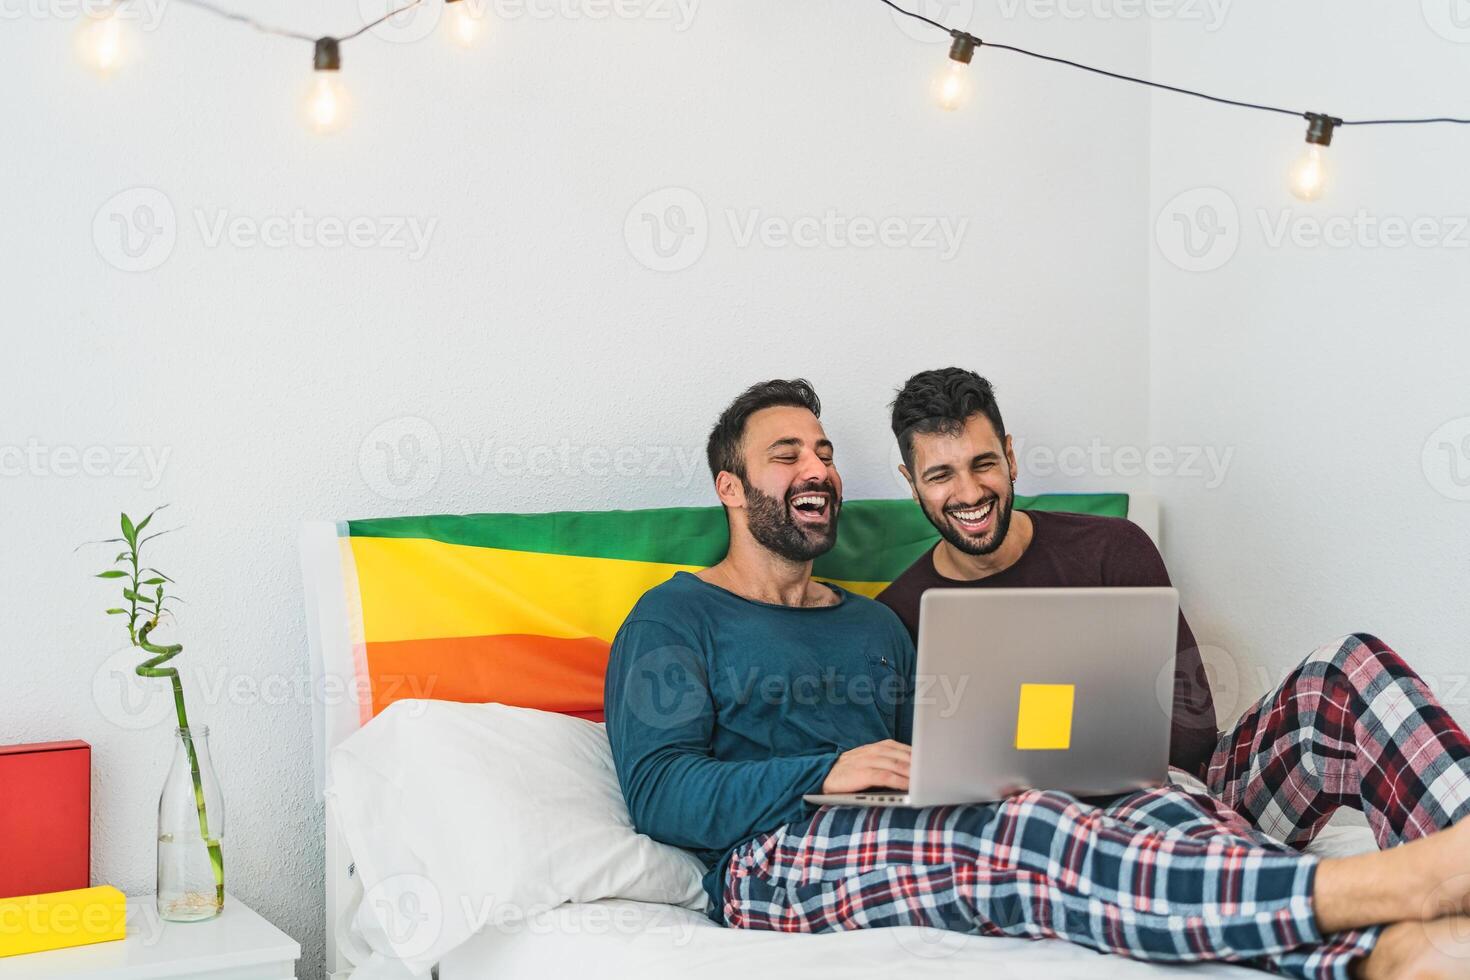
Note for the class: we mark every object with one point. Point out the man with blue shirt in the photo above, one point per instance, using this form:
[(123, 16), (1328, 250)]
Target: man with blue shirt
[(733, 692)]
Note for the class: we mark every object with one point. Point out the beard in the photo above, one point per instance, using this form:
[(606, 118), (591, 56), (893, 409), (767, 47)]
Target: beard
[(773, 527), (967, 543)]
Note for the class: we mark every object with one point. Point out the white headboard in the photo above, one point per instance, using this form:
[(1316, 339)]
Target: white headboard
[(340, 705), (1143, 510)]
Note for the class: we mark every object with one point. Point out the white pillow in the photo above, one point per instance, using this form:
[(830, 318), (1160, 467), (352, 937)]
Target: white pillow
[(465, 815)]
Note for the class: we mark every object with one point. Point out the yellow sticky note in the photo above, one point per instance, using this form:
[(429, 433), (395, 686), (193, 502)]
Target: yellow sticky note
[(56, 920), (1044, 717)]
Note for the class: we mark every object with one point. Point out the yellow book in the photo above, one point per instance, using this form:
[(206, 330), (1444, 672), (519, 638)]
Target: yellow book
[(56, 920)]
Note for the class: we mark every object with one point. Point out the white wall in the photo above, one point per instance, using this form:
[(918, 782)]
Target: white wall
[(261, 375), (267, 379), (1327, 370)]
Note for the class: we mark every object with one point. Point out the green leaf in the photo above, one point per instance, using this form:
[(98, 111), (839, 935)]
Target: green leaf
[(135, 597), (144, 522), (130, 533), (159, 594), (156, 534), (122, 555), (112, 573), (159, 574), (102, 541), (153, 581), (117, 612)]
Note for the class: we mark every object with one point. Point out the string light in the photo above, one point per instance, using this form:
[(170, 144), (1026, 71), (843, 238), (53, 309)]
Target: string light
[(462, 22), (952, 86), (100, 43), (1308, 176), (326, 104), (102, 46), (326, 101)]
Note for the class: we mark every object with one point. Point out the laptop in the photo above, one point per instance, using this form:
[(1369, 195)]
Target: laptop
[(1058, 689)]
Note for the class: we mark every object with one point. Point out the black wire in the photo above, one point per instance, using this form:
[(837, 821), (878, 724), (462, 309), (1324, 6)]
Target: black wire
[(915, 15), (1403, 122), (243, 19), (1145, 81), (370, 25), (1160, 85), (296, 35), (282, 31)]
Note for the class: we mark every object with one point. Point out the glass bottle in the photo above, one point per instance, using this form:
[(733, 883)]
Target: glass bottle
[(191, 823)]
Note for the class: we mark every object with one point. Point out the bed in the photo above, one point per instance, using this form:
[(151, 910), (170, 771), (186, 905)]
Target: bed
[(517, 612), (658, 942)]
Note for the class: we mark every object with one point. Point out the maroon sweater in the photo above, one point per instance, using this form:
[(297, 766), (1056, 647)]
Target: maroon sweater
[(1071, 550)]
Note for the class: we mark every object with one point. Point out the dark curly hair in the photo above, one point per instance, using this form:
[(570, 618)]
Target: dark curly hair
[(941, 401), (723, 448)]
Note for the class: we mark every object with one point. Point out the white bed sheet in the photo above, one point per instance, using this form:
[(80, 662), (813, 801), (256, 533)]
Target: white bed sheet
[(616, 938)]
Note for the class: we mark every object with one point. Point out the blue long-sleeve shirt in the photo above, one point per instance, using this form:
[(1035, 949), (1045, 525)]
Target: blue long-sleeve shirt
[(723, 711)]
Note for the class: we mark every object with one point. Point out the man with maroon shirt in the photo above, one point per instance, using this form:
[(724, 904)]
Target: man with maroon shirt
[(1331, 734)]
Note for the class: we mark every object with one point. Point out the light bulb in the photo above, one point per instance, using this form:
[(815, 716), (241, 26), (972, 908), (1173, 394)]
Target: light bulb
[(326, 104), (952, 86), (1309, 174), (100, 43), (463, 22)]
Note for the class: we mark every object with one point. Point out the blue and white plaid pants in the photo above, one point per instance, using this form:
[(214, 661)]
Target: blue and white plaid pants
[(1163, 875)]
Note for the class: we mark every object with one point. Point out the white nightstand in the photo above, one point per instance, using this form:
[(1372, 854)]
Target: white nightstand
[(238, 945)]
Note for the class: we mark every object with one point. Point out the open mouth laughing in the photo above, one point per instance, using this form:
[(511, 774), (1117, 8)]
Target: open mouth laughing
[(973, 520), (812, 507)]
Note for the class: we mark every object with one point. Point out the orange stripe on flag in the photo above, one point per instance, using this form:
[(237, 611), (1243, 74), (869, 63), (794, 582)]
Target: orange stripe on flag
[(545, 672)]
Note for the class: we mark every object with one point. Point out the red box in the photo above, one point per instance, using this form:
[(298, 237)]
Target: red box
[(45, 818)]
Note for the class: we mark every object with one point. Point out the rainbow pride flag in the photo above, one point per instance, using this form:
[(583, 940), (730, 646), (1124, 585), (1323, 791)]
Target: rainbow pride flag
[(522, 608)]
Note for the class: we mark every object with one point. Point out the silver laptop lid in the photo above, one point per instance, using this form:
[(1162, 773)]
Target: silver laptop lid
[(1067, 689)]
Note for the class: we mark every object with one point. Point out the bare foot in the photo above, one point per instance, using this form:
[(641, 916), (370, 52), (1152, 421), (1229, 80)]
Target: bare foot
[(1438, 950)]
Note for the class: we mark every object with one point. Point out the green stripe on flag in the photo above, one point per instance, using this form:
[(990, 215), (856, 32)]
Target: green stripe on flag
[(877, 539)]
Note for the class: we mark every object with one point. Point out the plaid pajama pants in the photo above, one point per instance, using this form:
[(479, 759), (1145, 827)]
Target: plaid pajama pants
[(1354, 726), (1165, 874)]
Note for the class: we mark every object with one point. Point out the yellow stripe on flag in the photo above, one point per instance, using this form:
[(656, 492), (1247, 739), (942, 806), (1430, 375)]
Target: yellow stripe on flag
[(869, 589), (418, 589)]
